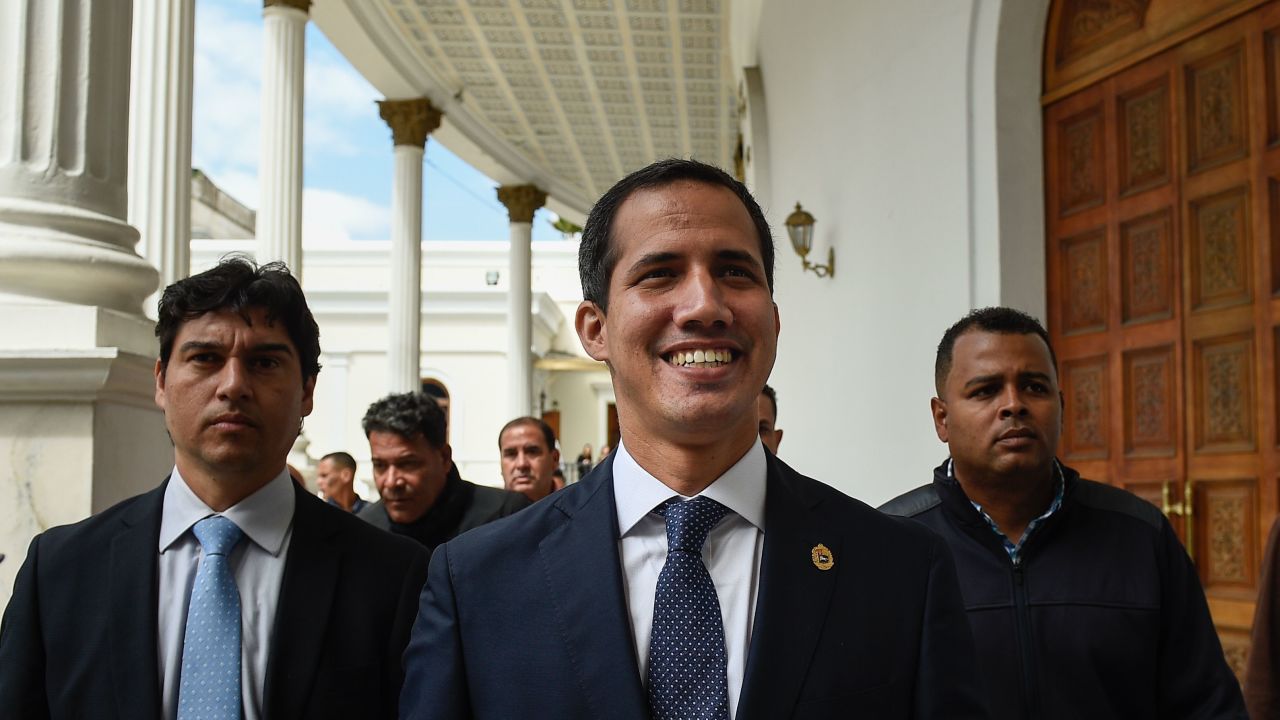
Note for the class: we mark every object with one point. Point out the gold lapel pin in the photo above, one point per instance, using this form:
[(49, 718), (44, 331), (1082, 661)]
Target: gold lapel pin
[(822, 557)]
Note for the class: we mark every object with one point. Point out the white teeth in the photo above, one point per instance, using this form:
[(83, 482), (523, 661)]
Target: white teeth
[(701, 358)]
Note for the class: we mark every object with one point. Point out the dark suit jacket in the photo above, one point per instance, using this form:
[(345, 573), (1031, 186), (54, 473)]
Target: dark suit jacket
[(78, 639), (526, 616)]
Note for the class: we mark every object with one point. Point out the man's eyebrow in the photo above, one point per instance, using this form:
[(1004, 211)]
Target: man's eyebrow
[(272, 348), (739, 256), (205, 345), (194, 345), (653, 258), (984, 379)]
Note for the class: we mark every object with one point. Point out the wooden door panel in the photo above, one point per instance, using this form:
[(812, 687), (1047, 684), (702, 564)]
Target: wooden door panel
[(1150, 381), (1220, 246), (1082, 167), (1147, 281), (1143, 137), (1163, 261), (1227, 511), (1085, 431), (1223, 381), (1217, 112)]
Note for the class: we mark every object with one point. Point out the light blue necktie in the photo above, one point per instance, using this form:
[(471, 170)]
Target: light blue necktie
[(687, 659), (210, 685)]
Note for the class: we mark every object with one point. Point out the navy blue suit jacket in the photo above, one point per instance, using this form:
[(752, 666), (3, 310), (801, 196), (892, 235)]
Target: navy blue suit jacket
[(526, 617), (78, 639)]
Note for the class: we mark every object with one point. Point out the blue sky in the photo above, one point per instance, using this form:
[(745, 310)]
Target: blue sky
[(347, 152)]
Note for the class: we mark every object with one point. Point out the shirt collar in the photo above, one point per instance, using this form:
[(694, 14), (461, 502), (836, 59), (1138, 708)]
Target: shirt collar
[(264, 516), (1014, 549), (637, 493)]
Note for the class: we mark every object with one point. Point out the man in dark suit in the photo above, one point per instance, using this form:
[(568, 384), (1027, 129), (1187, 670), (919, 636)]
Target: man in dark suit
[(227, 591), (423, 496), (691, 574)]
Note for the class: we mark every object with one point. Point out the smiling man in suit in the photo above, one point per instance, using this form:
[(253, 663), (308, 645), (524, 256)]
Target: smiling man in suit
[(691, 574), (227, 591)]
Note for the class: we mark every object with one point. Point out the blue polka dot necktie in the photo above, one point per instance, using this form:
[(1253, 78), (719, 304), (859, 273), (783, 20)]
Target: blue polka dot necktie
[(687, 658), (210, 684)]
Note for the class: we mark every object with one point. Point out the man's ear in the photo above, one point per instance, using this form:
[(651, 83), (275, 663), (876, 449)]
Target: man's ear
[(939, 409), (446, 453), (589, 321), (159, 371), (308, 395), (777, 438)]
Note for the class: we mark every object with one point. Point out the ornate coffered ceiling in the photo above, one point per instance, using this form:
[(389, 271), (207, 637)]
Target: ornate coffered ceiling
[(566, 94)]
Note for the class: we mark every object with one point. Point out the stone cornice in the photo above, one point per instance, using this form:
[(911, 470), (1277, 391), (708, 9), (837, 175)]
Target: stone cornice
[(303, 5), (103, 374), (521, 201), (411, 121)]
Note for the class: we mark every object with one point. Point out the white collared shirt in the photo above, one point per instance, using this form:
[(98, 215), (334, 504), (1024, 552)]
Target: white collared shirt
[(732, 551), (266, 517)]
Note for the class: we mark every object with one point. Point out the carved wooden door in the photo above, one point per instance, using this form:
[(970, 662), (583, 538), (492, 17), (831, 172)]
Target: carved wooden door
[(1163, 207)]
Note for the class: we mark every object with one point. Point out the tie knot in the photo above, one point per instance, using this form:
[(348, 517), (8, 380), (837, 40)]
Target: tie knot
[(217, 535), (689, 521)]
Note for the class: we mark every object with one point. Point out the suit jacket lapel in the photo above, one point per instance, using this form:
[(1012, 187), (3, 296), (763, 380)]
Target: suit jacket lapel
[(585, 579), (302, 616), (132, 594), (793, 599)]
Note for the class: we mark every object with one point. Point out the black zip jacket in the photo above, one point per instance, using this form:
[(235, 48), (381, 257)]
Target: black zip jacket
[(1103, 617)]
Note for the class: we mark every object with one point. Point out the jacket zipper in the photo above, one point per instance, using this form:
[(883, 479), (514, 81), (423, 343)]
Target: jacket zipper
[(1025, 646)]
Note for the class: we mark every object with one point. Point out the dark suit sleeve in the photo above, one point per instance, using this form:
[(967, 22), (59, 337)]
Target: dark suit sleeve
[(515, 502), (22, 657), (435, 682), (947, 683), (1194, 680), (406, 611), (1262, 677)]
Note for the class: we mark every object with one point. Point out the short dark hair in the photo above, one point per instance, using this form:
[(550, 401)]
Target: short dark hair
[(1001, 320), (597, 253), (406, 415), (773, 398), (238, 284), (547, 432), (341, 459)]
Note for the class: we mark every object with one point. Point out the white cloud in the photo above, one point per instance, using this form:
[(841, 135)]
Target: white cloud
[(225, 127), (330, 216)]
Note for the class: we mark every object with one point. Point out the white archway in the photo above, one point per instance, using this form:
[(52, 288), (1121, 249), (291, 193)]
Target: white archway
[(1006, 154)]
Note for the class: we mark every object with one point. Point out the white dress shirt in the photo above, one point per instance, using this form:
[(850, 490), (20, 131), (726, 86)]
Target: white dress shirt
[(732, 551), (266, 517)]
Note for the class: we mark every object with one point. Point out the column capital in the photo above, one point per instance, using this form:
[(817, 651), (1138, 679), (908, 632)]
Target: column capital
[(521, 201), (303, 5), (411, 121)]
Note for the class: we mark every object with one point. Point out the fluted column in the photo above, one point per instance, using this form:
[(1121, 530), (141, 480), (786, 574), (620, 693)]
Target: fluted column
[(64, 120), (521, 201), (160, 135), (279, 227), (79, 429), (410, 121)]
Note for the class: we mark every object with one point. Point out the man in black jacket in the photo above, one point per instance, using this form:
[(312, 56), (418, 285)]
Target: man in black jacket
[(422, 495), (1083, 603)]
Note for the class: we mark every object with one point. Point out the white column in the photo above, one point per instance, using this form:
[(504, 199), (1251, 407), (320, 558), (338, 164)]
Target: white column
[(279, 227), (78, 423), (160, 135), (410, 121), (521, 201), (64, 118)]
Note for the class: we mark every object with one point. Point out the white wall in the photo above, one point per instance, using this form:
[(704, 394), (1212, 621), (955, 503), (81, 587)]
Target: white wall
[(888, 128)]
